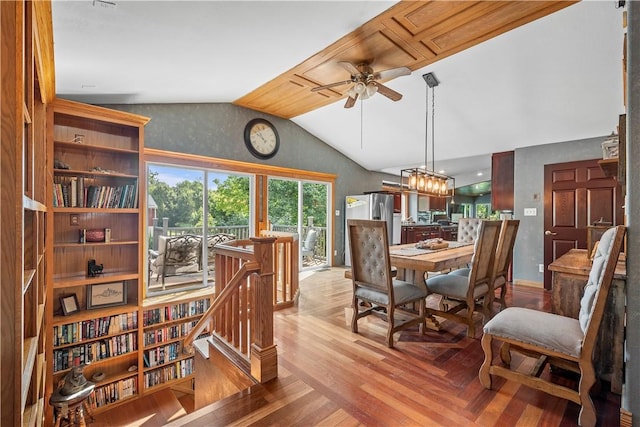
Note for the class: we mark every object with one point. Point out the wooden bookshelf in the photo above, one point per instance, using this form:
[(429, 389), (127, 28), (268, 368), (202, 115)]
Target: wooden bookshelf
[(23, 237), (95, 164)]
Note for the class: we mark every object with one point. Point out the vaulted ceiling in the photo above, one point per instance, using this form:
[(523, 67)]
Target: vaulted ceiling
[(409, 34), (512, 74)]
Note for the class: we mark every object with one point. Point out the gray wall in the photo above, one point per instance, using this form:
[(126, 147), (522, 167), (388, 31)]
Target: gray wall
[(217, 130), (630, 395), (529, 193)]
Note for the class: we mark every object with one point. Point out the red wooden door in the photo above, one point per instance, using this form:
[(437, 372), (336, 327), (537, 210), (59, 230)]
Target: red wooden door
[(576, 194)]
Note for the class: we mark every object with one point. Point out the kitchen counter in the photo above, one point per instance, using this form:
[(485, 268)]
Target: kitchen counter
[(417, 232)]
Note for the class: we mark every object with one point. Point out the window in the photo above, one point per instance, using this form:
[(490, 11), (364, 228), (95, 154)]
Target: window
[(179, 215)]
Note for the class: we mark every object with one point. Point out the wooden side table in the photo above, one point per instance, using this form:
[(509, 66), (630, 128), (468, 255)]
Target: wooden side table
[(570, 274), (71, 408)]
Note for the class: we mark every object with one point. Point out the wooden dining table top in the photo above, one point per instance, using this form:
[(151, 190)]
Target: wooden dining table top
[(410, 258)]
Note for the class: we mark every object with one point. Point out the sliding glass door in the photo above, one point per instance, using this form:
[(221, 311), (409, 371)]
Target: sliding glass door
[(301, 207)]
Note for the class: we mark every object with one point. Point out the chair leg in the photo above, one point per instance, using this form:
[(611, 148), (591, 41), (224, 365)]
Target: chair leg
[(505, 353), (484, 373), (390, 321), (354, 318), (471, 326), (587, 416)]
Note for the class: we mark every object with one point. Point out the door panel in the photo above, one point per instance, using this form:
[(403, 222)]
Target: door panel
[(576, 194)]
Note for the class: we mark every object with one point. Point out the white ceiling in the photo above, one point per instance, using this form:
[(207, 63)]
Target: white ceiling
[(555, 79)]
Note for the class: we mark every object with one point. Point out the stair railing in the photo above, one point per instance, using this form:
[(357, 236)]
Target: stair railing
[(286, 266), (241, 315)]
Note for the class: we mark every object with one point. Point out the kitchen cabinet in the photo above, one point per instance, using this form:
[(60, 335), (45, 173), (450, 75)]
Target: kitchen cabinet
[(502, 181)]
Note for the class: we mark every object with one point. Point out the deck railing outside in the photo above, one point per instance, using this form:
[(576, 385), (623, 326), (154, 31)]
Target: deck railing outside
[(161, 228)]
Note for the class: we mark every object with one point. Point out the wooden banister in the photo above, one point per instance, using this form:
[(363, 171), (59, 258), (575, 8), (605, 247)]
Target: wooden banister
[(286, 266), (241, 315)]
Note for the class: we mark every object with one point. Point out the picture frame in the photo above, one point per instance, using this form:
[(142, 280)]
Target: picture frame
[(106, 295), (69, 304)]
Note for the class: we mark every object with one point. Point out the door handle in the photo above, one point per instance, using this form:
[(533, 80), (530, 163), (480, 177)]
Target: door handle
[(550, 233)]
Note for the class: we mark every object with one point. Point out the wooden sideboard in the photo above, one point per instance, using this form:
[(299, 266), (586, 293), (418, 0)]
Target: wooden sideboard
[(570, 274)]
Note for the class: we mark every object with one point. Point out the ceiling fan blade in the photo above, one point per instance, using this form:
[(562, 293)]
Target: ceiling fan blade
[(330, 85), (352, 69), (391, 73), (351, 101), (389, 93)]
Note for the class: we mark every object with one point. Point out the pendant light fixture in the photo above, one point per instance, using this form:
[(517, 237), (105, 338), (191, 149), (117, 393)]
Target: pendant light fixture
[(423, 180)]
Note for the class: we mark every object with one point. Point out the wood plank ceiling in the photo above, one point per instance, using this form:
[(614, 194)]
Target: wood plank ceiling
[(413, 34)]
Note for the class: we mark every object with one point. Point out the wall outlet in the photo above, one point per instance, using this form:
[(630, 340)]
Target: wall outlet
[(335, 252), (530, 211), (540, 268), (337, 212)]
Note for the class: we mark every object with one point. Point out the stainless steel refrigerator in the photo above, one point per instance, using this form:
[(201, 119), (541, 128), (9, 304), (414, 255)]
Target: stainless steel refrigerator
[(368, 206)]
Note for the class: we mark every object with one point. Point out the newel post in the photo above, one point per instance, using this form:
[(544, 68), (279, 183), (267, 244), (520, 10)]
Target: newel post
[(264, 357)]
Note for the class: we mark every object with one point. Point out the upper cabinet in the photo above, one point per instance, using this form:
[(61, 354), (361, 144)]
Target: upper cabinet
[(502, 181)]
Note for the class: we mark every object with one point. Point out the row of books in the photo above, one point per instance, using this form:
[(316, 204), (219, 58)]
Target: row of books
[(174, 371), (75, 194), (65, 358), (94, 328), (161, 355), (113, 392), (168, 333), (173, 312)]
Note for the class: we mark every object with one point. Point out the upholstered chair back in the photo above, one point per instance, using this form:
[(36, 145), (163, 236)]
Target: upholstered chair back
[(595, 277), (468, 229)]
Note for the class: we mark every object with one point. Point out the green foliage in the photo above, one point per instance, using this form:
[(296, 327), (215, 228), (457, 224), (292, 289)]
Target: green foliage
[(229, 202), (182, 203), (283, 203)]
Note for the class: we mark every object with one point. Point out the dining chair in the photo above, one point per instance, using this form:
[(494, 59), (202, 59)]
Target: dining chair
[(557, 340), (375, 291), (467, 294), (504, 256)]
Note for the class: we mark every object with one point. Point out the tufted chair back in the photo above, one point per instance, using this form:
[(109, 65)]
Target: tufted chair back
[(468, 229)]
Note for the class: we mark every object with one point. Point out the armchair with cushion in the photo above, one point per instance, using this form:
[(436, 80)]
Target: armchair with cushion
[(504, 255), (309, 244), (557, 340), (465, 295), (175, 255), (374, 289)]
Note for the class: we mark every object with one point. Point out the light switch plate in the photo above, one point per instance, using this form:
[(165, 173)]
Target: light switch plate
[(530, 211)]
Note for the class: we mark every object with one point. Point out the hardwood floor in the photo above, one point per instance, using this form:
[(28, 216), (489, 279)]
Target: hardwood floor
[(330, 376)]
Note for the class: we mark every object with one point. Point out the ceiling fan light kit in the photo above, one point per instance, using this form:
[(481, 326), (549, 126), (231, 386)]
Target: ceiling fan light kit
[(366, 82), (422, 180)]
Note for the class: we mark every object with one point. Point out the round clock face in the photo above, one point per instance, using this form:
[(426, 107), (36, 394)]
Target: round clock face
[(261, 138)]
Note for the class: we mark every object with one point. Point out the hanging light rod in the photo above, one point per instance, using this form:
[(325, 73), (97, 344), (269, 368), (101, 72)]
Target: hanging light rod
[(423, 180)]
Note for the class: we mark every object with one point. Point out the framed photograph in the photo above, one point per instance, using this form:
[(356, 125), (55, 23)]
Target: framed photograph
[(69, 304), (106, 294)]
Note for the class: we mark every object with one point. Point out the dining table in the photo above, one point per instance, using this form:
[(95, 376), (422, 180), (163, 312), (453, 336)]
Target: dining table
[(414, 263)]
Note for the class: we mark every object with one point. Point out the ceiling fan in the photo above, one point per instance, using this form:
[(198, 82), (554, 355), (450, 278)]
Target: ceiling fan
[(365, 82)]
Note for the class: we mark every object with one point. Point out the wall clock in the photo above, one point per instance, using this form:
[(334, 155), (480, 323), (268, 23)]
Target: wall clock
[(261, 138)]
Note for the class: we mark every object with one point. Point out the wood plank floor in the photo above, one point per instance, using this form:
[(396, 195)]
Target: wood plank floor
[(329, 376)]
